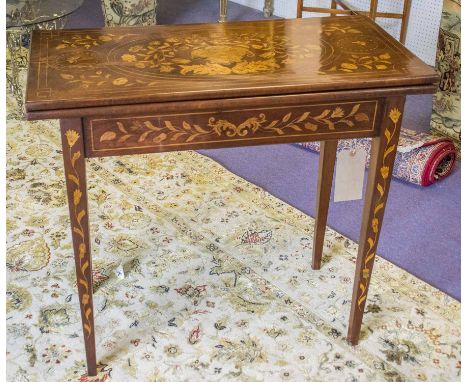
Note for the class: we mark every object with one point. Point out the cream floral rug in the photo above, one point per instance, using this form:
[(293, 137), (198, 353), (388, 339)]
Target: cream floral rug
[(217, 281)]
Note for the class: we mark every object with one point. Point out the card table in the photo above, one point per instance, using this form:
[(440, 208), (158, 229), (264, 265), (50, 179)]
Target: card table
[(127, 91)]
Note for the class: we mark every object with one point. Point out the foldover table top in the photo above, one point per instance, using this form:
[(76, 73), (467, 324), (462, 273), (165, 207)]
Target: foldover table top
[(82, 68)]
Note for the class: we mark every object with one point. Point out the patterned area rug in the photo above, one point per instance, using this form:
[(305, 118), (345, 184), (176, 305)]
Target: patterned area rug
[(217, 287), (421, 158)]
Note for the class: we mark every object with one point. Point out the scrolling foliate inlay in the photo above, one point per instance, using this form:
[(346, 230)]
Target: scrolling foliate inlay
[(341, 49), (79, 213), (382, 185), (86, 41), (138, 132)]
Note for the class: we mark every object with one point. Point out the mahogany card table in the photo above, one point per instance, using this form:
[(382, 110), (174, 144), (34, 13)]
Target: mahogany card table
[(126, 91)]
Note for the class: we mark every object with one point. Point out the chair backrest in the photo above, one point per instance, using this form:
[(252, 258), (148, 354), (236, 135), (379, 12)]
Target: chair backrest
[(333, 10), (373, 13)]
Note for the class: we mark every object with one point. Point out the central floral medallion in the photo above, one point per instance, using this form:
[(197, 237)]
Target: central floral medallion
[(202, 56), (222, 54), (134, 60)]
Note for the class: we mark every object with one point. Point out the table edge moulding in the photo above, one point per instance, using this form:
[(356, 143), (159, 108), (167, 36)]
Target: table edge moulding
[(124, 91)]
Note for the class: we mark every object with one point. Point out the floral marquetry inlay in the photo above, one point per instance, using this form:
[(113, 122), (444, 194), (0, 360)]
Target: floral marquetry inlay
[(207, 61), (79, 213), (206, 127), (215, 54), (342, 49), (391, 137)]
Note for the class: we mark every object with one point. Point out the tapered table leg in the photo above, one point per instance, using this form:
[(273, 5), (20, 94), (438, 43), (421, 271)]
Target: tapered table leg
[(324, 185), (383, 151), (75, 174)]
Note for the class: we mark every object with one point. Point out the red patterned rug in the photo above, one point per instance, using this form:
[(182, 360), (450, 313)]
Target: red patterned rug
[(421, 159)]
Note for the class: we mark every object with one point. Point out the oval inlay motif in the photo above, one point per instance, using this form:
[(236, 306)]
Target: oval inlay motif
[(212, 55)]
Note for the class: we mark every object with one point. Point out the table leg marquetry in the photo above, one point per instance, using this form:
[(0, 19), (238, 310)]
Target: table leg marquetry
[(166, 88), (74, 162), (383, 153)]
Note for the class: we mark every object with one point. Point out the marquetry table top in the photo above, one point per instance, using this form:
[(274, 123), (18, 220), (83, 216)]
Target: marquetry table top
[(117, 66)]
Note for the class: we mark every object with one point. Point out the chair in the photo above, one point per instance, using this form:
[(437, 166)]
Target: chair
[(129, 12), (373, 13), (223, 5)]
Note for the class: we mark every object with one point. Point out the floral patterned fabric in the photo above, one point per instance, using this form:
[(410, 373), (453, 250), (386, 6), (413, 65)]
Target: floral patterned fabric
[(217, 281), (129, 12), (421, 158), (446, 113)]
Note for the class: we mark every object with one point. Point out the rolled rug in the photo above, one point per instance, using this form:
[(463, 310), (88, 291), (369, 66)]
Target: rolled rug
[(421, 158)]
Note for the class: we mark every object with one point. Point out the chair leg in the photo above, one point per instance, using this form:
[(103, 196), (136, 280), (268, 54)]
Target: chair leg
[(404, 20), (324, 185), (373, 9), (333, 6), (300, 5), (223, 5)]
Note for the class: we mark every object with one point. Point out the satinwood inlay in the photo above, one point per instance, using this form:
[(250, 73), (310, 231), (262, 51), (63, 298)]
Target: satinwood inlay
[(191, 130), (101, 66)]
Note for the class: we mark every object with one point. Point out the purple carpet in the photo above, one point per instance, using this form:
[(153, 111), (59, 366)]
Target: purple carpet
[(421, 231)]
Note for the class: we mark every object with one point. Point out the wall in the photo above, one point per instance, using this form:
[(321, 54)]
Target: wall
[(423, 27)]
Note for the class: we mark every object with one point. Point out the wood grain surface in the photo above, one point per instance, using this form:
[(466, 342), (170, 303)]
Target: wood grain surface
[(227, 128), (121, 66)]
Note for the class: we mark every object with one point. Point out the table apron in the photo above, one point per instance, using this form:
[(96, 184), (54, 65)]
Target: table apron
[(175, 131)]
